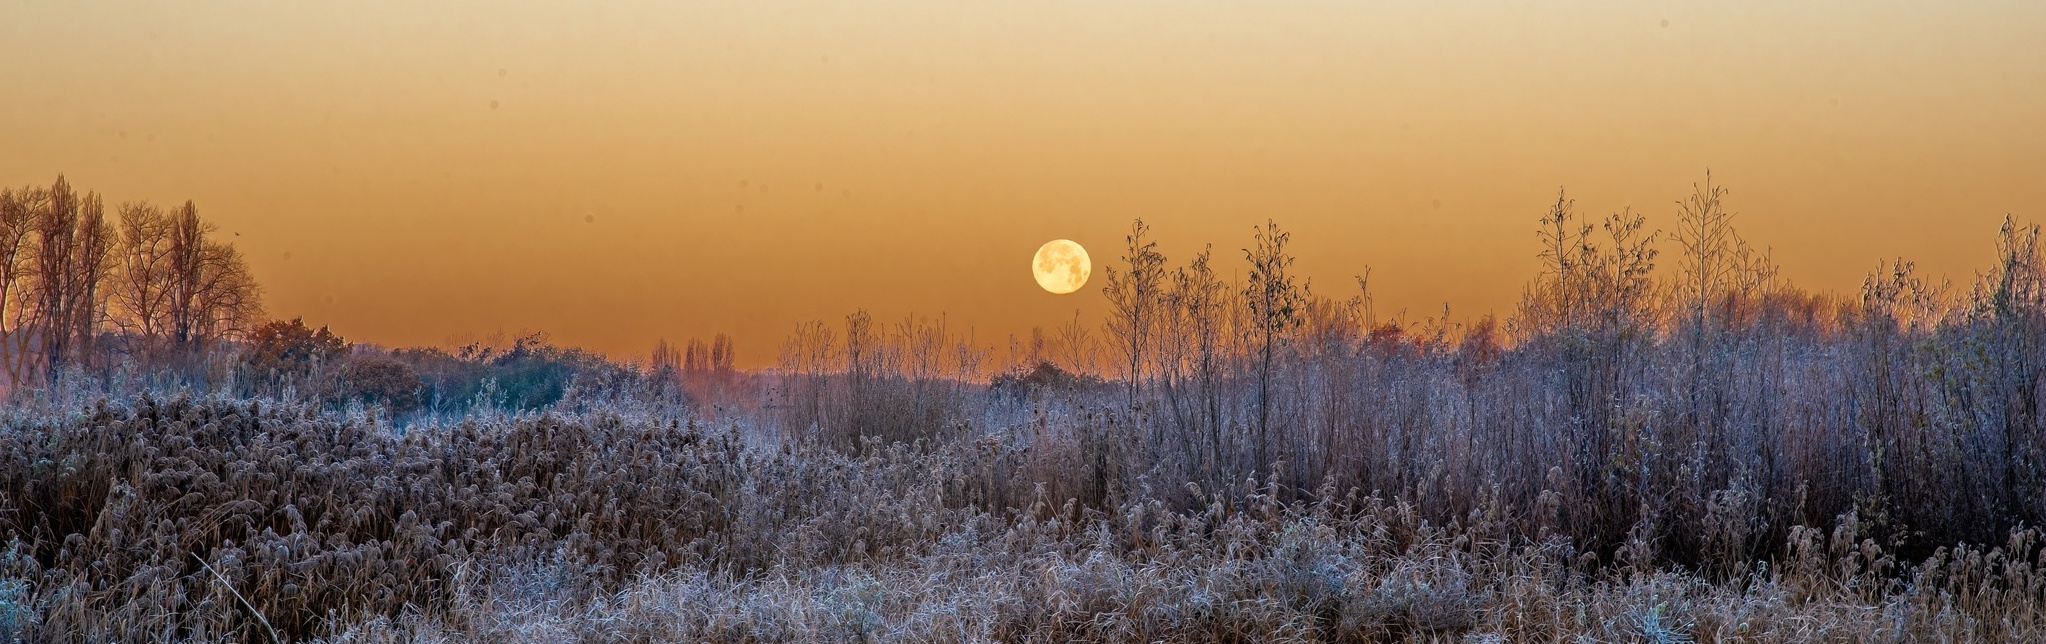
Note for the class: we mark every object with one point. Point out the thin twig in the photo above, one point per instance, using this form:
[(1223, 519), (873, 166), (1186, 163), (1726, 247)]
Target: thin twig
[(245, 601)]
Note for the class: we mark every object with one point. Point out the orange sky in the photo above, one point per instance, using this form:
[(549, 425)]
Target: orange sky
[(611, 173)]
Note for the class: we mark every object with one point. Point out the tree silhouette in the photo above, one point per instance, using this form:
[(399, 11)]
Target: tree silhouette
[(18, 213), (1135, 296), (73, 246), (1276, 307), (284, 349)]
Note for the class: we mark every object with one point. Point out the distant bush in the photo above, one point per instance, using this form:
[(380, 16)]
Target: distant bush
[(290, 351), (528, 375), (377, 380), (1043, 378)]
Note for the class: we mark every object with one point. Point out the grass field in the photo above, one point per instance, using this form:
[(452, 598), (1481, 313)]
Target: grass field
[(220, 519)]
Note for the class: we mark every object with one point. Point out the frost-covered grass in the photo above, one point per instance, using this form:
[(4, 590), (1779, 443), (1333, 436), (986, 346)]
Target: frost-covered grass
[(591, 527)]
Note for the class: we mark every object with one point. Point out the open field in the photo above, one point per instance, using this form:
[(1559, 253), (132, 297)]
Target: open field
[(545, 322), (1700, 454)]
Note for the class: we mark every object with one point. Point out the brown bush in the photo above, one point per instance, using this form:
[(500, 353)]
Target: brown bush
[(378, 380)]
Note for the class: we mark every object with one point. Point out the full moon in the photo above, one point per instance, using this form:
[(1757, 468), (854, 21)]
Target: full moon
[(1061, 266)]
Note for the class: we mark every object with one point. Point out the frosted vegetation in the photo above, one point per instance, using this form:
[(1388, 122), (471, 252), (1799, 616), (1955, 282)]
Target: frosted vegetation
[(1651, 448)]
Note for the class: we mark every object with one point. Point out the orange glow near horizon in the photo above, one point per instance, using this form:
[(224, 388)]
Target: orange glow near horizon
[(613, 173)]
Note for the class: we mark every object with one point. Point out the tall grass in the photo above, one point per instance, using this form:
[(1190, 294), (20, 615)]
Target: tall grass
[(590, 528)]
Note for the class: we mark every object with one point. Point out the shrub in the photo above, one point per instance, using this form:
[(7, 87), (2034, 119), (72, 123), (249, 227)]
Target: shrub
[(379, 380)]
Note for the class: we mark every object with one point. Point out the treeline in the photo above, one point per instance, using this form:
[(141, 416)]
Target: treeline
[(697, 371), (82, 287), (142, 296)]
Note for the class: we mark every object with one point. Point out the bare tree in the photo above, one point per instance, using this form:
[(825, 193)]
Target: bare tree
[(1276, 306), (805, 363), (1193, 358), (229, 299), (1040, 348), (73, 243), (721, 354), (665, 363), (2008, 322), (1586, 289), (141, 289), (2016, 286), (69, 274), (91, 263), (18, 212), (55, 224), (188, 266), (708, 363), (210, 293), (1076, 347), (1135, 296), (1551, 303), (1720, 277), (696, 358), (1719, 269), (1594, 308)]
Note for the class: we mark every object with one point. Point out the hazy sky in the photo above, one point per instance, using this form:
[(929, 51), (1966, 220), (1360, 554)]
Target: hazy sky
[(614, 172)]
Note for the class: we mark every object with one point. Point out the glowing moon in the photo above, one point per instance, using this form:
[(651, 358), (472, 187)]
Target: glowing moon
[(1061, 266)]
